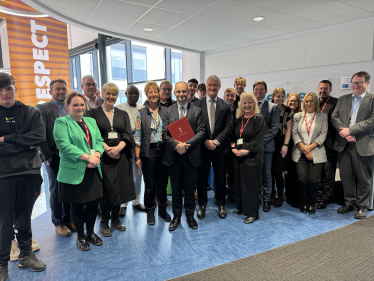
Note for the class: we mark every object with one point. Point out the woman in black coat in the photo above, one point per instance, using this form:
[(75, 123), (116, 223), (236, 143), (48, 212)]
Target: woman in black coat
[(118, 183)]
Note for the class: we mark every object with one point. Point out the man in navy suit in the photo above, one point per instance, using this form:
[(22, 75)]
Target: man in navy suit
[(270, 112), (218, 121)]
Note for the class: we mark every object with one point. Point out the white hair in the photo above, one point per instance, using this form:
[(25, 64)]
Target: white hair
[(89, 76), (215, 78)]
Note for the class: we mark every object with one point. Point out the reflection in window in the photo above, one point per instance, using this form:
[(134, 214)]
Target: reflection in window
[(86, 64), (75, 83), (139, 63), (176, 66), (118, 60)]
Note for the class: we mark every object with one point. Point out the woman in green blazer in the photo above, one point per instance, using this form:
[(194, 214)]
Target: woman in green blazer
[(80, 146)]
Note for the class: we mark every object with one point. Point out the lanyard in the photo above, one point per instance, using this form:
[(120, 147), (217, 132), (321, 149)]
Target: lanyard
[(242, 128), (110, 120), (358, 104), (306, 123), (87, 102), (325, 103), (60, 111), (87, 134)]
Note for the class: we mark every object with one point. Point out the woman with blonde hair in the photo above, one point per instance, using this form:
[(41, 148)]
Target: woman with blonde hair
[(247, 145)]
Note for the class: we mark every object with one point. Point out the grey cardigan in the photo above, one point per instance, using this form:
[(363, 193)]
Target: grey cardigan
[(319, 136)]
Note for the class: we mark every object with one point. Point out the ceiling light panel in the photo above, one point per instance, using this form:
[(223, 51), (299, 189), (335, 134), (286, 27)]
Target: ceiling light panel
[(138, 27)]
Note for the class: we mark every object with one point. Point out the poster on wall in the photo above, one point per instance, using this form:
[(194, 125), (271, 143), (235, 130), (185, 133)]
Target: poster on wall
[(38, 53)]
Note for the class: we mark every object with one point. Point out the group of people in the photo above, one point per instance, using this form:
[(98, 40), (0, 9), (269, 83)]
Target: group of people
[(96, 154)]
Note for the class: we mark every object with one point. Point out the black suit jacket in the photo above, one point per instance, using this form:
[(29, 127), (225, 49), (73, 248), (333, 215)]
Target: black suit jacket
[(331, 133), (49, 114), (223, 124), (195, 119)]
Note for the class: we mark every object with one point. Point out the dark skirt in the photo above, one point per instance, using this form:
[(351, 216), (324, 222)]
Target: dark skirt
[(118, 181), (279, 163), (88, 190)]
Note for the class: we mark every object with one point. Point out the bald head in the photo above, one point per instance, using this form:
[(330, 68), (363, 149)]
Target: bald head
[(180, 91), (132, 94)]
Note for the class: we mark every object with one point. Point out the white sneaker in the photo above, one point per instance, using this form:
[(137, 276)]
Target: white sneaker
[(14, 251), (35, 246)]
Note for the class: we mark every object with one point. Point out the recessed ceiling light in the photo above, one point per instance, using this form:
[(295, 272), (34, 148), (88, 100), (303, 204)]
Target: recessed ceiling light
[(148, 29), (259, 18)]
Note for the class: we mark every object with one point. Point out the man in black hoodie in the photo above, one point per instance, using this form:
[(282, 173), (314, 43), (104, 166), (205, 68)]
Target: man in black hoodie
[(21, 132)]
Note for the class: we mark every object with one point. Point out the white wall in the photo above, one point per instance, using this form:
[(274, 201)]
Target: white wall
[(191, 66), (78, 36)]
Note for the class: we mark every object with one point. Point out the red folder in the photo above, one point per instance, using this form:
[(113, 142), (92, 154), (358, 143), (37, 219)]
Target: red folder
[(181, 130)]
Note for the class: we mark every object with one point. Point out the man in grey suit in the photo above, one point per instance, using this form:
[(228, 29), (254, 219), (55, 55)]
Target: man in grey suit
[(50, 111), (89, 87), (353, 118), (270, 112)]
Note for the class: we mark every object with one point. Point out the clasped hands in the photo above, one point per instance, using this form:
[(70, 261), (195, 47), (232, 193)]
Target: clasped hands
[(113, 152), (345, 133), (2, 140), (94, 160), (239, 152), (211, 144), (307, 150), (181, 147)]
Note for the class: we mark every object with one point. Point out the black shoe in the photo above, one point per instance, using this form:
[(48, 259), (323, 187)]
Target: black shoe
[(104, 230), (346, 209), (251, 219), (122, 211), (174, 223), (94, 239), (361, 213), (83, 244), (222, 213), (201, 212), (273, 200), (266, 206), (164, 215), (312, 209), (239, 212), (3, 273), (303, 209), (139, 207), (279, 202), (117, 224), (322, 204), (192, 223), (31, 262), (151, 218)]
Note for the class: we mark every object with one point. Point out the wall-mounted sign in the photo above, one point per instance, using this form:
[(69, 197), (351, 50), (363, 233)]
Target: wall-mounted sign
[(345, 83)]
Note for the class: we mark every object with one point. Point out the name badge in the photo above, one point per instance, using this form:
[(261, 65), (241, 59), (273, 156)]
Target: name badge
[(93, 152), (153, 126), (351, 124), (112, 135), (240, 141)]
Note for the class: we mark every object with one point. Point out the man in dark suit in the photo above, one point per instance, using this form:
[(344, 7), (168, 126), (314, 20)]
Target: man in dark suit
[(50, 111), (270, 112), (327, 105), (185, 157), (218, 121), (89, 87), (353, 118)]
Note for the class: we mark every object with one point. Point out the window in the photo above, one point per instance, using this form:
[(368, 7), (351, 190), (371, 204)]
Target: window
[(86, 64), (176, 66), (118, 62), (75, 83), (139, 63)]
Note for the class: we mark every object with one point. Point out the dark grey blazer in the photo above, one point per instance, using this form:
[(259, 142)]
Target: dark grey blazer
[(223, 124), (270, 111), (363, 130), (49, 114), (195, 119), (100, 101)]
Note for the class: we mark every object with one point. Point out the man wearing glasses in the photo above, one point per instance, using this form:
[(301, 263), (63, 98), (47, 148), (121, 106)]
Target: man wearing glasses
[(353, 118), (89, 87)]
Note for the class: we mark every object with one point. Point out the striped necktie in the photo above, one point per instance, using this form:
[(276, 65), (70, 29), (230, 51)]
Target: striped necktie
[(212, 115)]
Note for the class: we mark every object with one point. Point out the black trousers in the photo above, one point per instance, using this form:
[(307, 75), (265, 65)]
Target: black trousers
[(328, 174), (218, 161), (155, 180), (84, 213), (355, 172), (182, 163), (309, 176), (17, 198)]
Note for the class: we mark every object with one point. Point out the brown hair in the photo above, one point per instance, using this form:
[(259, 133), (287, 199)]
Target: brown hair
[(362, 74), (165, 82), (240, 81), (151, 84), (6, 80), (260, 82), (56, 81), (276, 92), (72, 95), (298, 100), (229, 90)]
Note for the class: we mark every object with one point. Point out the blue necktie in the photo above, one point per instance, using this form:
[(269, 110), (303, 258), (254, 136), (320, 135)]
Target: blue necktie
[(182, 112)]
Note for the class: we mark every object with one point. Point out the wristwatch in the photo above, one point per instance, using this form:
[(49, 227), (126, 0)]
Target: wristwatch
[(285, 144), (137, 158)]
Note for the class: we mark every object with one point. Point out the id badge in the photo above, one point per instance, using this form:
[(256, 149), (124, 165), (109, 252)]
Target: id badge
[(112, 135), (153, 126), (240, 141), (350, 124), (93, 152)]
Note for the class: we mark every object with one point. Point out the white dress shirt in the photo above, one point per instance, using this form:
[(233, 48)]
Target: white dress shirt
[(131, 111), (304, 133), (185, 109)]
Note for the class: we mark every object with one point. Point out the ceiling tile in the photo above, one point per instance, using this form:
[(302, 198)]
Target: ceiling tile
[(190, 6), (370, 8), (138, 27), (212, 47), (326, 11), (142, 2), (87, 6), (75, 15), (194, 44), (109, 23), (262, 33), (226, 10), (223, 39), (235, 28), (352, 16), (257, 3), (140, 35), (295, 7), (358, 3), (201, 23), (181, 33), (164, 17), (119, 9), (170, 41)]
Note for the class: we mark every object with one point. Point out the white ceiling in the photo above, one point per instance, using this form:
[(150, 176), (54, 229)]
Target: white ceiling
[(205, 25)]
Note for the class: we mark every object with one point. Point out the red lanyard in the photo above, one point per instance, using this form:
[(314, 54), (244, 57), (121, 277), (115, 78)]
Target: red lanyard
[(306, 123), (87, 102), (60, 111), (325, 103), (242, 128), (87, 134)]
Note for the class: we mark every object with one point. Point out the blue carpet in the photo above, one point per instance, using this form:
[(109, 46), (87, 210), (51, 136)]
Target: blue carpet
[(145, 252)]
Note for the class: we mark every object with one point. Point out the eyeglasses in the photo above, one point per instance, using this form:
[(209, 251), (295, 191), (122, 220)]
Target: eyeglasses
[(90, 85), (358, 83)]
